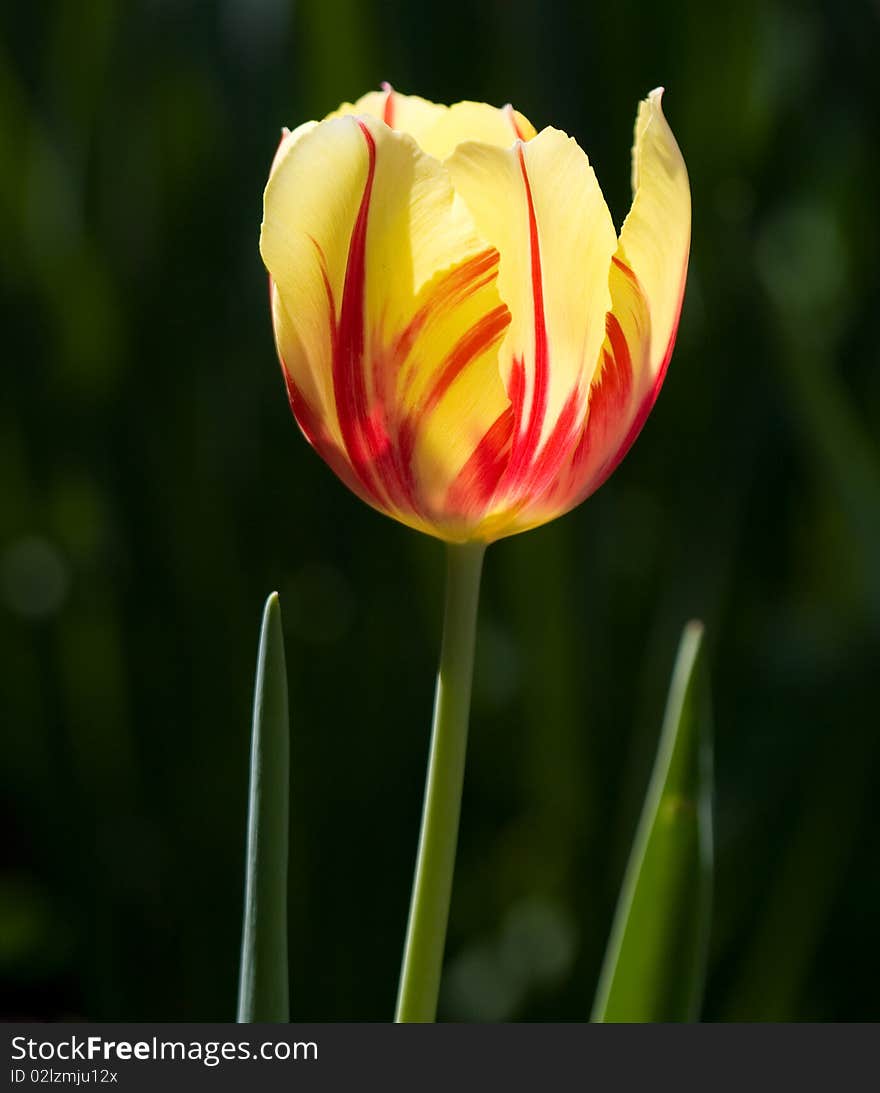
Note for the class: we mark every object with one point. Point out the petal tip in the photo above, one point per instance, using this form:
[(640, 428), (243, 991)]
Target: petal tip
[(654, 100)]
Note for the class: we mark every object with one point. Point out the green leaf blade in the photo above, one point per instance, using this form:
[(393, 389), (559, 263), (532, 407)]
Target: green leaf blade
[(654, 967), (263, 993)]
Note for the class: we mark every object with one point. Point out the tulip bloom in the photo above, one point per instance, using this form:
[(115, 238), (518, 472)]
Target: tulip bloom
[(465, 338)]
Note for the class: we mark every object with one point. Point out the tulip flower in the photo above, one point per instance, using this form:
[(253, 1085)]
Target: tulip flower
[(465, 339), (472, 348)]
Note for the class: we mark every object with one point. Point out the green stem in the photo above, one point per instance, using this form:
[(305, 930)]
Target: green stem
[(432, 886)]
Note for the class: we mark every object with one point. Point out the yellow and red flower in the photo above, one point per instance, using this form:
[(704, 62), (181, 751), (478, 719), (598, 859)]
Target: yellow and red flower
[(464, 337)]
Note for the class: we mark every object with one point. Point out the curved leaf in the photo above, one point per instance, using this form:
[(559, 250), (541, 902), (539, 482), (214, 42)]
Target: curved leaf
[(654, 966), (263, 987)]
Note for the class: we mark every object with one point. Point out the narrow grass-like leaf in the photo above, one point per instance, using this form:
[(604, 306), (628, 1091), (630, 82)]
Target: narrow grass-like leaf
[(654, 967), (263, 988)]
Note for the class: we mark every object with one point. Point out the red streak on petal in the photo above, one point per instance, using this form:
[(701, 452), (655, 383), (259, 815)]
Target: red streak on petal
[(316, 434), (449, 290), (609, 403), (526, 444), (469, 348), (393, 464), (406, 443), (511, 115), (478, 479), (542, 355), (517, 391), (363, 441), (331, 302), (447, 293), (619, 345), (647, 404), (388, 112), (401, 365), (626, 271), (364, 427), (285, 133), (480, 338), (558, 446)]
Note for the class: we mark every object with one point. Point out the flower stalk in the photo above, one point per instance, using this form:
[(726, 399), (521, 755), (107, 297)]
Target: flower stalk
[(435, 864)]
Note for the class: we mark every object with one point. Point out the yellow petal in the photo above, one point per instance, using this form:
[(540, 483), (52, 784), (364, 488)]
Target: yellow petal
[(289, 138), (437, 129), (407, 113), (539, 203), (449, 387), (475, 121), (304, 242), (386, 311), (655, 238), (435, 315), (646, 283), (311, 399)]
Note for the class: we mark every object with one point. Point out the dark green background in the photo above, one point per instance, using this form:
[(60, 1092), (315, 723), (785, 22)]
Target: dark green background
[(153, 490)]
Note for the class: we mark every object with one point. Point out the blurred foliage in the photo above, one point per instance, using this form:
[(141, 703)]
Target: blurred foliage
[(154, 490)]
